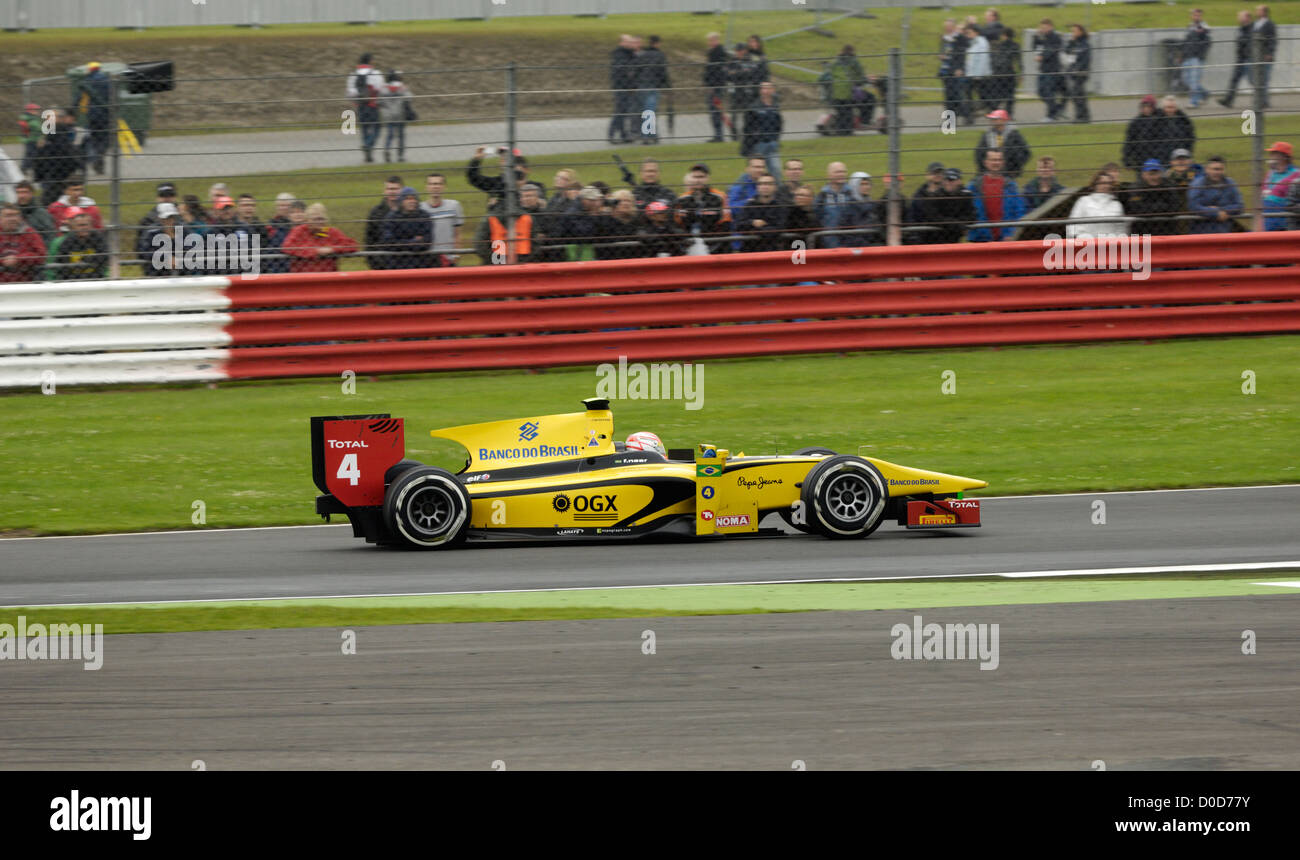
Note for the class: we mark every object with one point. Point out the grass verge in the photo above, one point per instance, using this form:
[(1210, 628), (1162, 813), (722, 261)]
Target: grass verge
[(1028, 420), (642, 602)]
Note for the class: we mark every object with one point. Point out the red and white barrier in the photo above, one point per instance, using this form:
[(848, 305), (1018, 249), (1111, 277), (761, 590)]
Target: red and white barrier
[(374, 322)]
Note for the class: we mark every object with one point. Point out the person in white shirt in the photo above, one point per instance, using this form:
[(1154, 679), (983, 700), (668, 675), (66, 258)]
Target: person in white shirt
[(979, 66), (1099, 202), (448, 217)]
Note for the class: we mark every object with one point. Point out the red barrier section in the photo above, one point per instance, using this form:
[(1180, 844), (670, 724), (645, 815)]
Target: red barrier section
[(705, 307)]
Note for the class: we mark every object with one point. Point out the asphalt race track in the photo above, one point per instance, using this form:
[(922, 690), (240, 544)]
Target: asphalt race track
[(1019, 534), (1152, 684)]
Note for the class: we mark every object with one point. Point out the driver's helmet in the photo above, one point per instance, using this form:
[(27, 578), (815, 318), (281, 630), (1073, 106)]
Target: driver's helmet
[(644, 441)]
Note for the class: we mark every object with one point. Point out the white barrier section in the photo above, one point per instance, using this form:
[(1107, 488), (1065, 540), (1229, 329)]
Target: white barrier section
[(113, 332)]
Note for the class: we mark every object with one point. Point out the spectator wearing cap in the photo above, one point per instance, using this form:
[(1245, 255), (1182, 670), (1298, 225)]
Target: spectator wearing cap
[(407, 233), (763, 217), (1215, 198), (1196, 48), (158, 245), (997, 198), (1174, 129), (703, 211), (495, 186), (277, 228), (1275, 192), (835, 204), (955, 211), (1044, 186), (1181, 170), (164, 193), (1142, 137), (315, 246), (1151, 197), (922, 209), (659, 235), (21, 250), (1006, 137), (74, 195), (492, 241), (79, 254), (363, 87), (1100, 201), (377, 256), (1076, 60), (763, 125), (36, 217)]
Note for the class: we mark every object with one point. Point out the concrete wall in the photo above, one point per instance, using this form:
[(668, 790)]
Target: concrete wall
[(1132, 62)]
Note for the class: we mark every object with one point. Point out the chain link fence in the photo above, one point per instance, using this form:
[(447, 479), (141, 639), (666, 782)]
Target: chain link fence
[(728, 145)]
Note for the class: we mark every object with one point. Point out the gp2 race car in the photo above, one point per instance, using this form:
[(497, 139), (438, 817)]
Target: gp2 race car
[(563, 477)]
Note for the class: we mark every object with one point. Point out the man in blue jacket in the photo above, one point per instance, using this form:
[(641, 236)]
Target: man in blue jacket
[(1215, 198), (835, 205), (997, 198)]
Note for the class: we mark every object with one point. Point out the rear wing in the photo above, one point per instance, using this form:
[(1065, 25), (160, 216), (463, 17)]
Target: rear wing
[(350, 455)]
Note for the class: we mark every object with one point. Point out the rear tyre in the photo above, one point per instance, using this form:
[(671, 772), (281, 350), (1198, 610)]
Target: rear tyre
[(785, 513), (427, 508), (844, 497)]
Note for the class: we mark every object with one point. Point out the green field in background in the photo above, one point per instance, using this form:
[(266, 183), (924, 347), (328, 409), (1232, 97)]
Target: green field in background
[(684, 32), (648, 602), (1027, 419)]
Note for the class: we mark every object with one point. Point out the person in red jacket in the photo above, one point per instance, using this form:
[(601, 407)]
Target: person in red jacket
[(74, 195), (22, 252), (316, 246)]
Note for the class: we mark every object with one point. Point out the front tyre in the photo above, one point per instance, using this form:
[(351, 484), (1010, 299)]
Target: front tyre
[(785, 514), (427, 508), (844, 497)]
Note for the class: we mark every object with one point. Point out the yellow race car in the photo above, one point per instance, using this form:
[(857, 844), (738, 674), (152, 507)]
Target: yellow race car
[(561, 477)]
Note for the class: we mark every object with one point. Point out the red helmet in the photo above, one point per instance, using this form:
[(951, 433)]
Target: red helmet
[(645, 441)]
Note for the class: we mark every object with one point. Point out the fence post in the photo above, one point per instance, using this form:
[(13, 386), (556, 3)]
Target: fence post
[(1257, 174), (115, 185), (893, 235), (510, 192)]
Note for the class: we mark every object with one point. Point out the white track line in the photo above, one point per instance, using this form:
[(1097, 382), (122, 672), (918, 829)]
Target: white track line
[(1111, 571), (4, 540)]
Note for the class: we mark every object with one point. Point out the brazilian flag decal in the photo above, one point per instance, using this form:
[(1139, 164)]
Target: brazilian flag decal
[(707, 471)]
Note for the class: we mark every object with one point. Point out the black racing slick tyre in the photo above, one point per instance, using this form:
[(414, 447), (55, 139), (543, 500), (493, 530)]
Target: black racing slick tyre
[(786, 516), (844, 497), (427, 508)]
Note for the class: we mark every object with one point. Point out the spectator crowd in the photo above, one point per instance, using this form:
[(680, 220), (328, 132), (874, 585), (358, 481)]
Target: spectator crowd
[(54, 231)]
